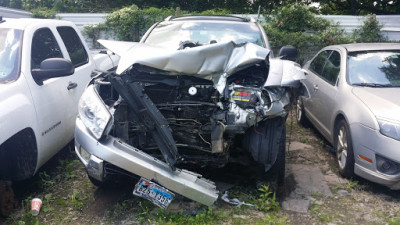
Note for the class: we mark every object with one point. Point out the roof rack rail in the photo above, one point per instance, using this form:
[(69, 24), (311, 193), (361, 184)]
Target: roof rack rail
[(168, 18), (208, 17)]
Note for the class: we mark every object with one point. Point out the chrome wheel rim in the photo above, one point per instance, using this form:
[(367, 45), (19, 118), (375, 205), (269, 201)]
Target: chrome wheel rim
[(341, 148)]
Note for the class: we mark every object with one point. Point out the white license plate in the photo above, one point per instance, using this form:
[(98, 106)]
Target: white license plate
[(159, 195)]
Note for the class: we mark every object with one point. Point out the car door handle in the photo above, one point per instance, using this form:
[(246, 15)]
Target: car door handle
[(315, 87), (72, 85)]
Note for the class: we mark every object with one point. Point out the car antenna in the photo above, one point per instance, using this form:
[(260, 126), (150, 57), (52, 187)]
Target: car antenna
[(258, 14), (1, 19)]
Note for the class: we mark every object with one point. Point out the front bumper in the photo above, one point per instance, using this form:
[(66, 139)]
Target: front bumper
[(122, 155), (369, 143)]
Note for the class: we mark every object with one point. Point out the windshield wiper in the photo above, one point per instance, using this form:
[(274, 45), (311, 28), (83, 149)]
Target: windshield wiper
[(373, 85)]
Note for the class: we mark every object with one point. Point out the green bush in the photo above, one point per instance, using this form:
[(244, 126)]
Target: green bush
[(215, 12), (93, 32), (296, 25), (370, 31), (130, 23), (43, 12)]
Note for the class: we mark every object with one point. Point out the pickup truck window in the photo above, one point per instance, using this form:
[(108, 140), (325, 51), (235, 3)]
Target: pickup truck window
[(44, 46), (75, 48), (10, 45)]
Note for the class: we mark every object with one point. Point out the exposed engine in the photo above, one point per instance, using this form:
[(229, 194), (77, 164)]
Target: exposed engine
[(192, 105), (203, 121)]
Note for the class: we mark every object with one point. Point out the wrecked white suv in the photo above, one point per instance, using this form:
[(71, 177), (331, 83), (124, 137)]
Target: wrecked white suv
[(196, 90)]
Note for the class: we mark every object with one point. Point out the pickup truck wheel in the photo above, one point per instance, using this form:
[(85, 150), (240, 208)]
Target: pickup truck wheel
[(18, 157)]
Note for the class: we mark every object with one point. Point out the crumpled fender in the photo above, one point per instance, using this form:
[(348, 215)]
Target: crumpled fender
[(284, 73)]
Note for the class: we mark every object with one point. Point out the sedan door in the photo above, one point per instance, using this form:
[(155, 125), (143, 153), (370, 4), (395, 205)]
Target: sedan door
[(322, 86)]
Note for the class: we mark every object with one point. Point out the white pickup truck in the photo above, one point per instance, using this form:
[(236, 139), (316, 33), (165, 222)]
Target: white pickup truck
[(45, 66)]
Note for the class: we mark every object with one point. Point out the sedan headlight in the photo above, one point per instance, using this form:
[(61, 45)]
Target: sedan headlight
[(93, 112), (389, 129)]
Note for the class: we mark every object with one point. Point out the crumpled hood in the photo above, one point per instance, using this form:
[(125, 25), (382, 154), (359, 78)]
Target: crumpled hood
[(214, 62), (383, 102)]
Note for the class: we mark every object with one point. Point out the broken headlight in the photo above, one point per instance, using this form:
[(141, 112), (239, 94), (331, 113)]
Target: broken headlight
[(93, 112)]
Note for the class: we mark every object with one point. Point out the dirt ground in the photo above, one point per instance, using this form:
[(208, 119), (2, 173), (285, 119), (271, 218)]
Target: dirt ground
[(314, 194)]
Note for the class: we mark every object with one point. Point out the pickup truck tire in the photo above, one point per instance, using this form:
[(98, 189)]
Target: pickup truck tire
[(18, 156)]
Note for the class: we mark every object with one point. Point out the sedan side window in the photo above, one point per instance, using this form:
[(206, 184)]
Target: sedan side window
[(44, 46), (332, 68), (317, 65), (74, 46)]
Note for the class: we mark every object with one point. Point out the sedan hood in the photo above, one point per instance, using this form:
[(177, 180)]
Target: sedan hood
[(383, 102)]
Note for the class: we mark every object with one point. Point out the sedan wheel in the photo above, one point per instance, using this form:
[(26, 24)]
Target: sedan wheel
[(300, 116), (344, 149)]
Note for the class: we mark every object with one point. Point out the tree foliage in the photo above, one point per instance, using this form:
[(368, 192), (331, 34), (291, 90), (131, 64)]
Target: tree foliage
[(344, 7), (130, 23), (360, 7), (43, 12), (370, 31), (298, 26)]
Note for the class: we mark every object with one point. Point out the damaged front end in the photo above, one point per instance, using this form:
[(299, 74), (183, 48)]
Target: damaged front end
[(199, 106)]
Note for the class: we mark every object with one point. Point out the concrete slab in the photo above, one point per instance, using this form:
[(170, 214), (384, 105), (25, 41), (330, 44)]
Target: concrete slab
[(309, 180), (296, 205), (334, 179), (294, 146)]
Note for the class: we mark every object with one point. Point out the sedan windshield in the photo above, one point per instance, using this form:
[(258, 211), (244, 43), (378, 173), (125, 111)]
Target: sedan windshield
[(173, 34), (374, 69)]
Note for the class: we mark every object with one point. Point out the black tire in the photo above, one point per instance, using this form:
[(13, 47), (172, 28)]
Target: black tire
[(18, 156), (344, 149), (105, 184), (115, 180), (300, 115), (266, 144), (277, 171)]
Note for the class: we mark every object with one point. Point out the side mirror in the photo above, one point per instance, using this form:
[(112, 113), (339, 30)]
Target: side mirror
[(288, 52), (53, 67)]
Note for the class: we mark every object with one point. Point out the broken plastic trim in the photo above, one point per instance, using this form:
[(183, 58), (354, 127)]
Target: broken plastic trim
[(154, 121)]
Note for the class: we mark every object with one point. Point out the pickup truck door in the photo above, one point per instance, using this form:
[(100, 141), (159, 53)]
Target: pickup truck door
[(56, 99), (84, 67)]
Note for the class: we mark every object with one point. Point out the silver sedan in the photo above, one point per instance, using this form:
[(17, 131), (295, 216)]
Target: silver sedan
[(352, 97)]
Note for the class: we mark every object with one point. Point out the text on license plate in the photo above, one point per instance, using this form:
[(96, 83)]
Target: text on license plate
[(159, 195)]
